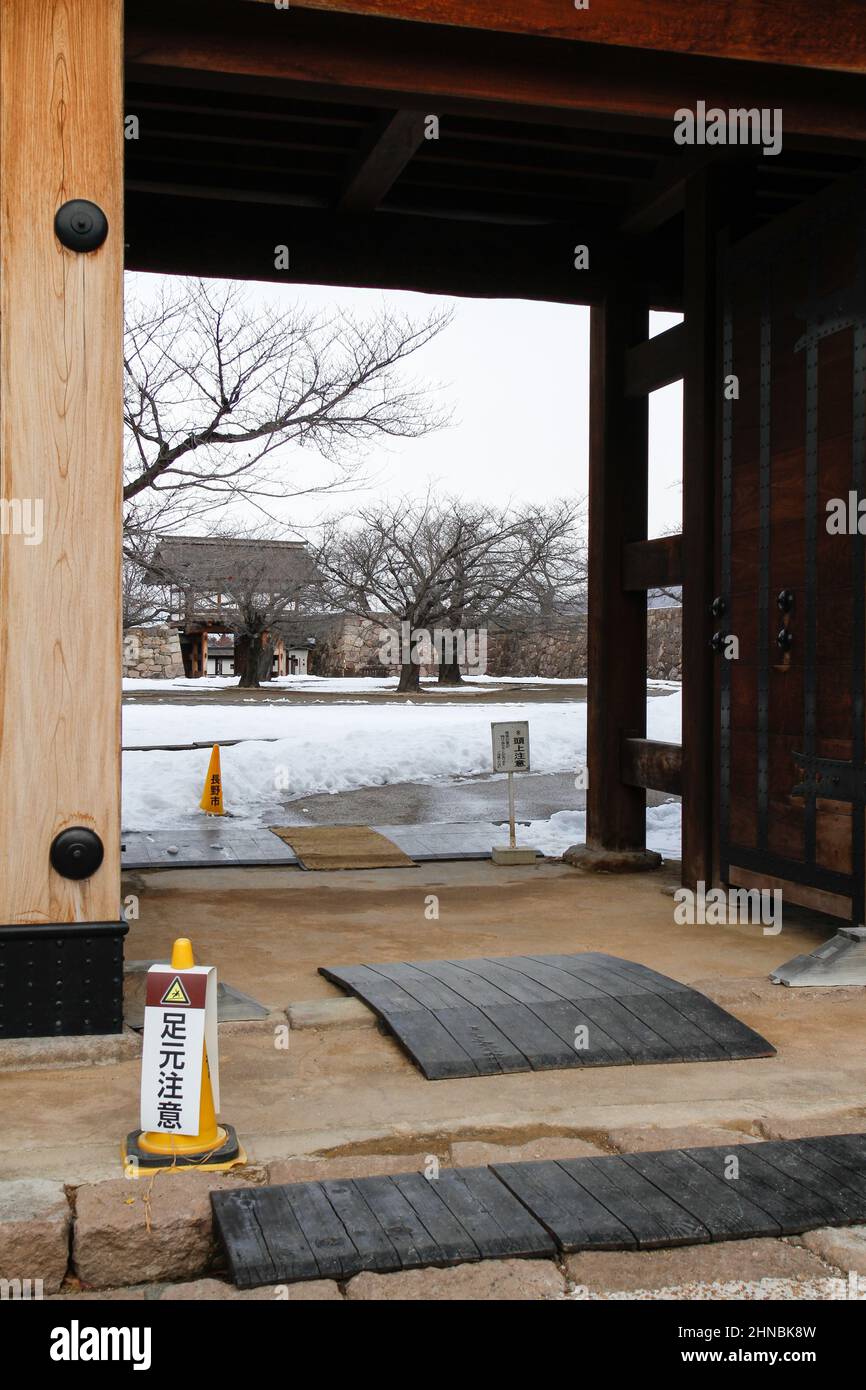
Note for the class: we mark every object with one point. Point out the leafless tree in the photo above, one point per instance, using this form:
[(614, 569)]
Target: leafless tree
[(439, 563), (218, 393)]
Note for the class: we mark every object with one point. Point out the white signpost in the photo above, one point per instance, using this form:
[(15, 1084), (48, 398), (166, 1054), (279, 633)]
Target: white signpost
[(180, 1016), (510, 755)]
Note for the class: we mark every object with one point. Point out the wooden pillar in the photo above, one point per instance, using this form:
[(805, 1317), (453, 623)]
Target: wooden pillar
[(702, 394), (617, 641), (61, 138)]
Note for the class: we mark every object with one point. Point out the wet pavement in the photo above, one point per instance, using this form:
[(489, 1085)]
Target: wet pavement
[(483, 798)]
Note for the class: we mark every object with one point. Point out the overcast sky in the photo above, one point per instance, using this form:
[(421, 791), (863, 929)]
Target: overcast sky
[(515, 374)]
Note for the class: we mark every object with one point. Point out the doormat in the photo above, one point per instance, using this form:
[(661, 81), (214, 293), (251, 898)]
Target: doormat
[(342, 847), (458, 1018), (338, 1228)]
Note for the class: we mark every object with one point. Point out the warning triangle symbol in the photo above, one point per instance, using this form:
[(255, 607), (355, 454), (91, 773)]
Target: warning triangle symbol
[(175, 994)]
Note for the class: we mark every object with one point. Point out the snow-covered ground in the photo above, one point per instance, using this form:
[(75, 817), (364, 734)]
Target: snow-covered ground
[(336, 747), (331, 685)]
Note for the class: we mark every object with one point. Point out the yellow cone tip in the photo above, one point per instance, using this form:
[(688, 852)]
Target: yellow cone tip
[(182, 957)]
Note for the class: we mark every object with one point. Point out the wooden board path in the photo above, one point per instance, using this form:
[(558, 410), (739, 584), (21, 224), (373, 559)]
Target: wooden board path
[(338, 1228), (482, 1017)]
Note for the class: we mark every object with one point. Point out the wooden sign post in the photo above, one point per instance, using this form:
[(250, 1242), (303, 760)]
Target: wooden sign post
[(61, 157)]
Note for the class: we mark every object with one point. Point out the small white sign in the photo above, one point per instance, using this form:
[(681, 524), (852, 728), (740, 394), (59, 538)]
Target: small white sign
[(511, 747), (180, 1018)]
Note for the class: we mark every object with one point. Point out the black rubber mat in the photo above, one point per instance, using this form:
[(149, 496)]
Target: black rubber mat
[(336, 1229), (540, 1013)]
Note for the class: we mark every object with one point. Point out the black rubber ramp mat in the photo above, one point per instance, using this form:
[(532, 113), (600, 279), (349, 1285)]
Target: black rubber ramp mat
[(336, 1229), (539, 1013)]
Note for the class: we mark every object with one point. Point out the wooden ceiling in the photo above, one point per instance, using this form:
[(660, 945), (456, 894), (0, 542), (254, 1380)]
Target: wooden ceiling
[(260, 127)]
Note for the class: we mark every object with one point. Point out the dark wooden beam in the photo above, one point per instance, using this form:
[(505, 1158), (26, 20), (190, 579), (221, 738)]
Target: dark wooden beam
[(655, 564), (656, 362), (708, 195), (617, 630), (436, 68), (666, 195), (385, 153), (752, 30), (654, 766), (219, 237)]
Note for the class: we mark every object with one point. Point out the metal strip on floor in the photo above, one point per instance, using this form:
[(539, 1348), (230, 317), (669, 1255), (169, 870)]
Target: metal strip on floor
[(482, 1017), (336, 1229)]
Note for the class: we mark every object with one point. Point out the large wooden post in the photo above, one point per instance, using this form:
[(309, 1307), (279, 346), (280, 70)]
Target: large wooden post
[(702, 391), (617, 640), (61, 138)]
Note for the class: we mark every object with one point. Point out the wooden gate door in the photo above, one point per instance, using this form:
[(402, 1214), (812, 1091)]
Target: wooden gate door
[(791, 565)]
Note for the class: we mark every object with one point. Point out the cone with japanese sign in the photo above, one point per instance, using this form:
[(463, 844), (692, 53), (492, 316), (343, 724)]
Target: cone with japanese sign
[(180, 1073), (212, 796)]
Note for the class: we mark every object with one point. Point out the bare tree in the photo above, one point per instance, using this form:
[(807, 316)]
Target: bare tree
[(217, 394), (436, 564), (531, 568)]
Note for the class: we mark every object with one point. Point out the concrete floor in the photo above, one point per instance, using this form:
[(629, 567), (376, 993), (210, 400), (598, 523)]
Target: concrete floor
[(351, 1090)]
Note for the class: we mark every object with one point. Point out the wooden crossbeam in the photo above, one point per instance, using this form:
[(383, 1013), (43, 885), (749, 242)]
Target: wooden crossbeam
[(665, 197), (394, 65), (656, 362), (210, 236), (655, 564), (384, 155), (752, 30), (652, 765)]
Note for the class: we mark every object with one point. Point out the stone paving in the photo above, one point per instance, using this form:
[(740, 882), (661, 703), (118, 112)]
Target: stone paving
[(206, 845)]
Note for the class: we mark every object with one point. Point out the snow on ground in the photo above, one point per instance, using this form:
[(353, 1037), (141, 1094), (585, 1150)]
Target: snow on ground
[(333, 748), (566, 828), (340, 685)]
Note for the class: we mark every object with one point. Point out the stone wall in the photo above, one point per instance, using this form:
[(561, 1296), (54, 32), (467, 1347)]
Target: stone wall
[(665, 644), (561, 653), (153, 652), (351, 646)]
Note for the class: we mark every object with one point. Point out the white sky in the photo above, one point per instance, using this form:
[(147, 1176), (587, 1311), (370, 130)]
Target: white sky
[(515, 374)]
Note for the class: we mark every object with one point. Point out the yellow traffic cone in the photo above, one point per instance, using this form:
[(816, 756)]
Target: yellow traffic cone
[(212, 796), (215, 1146)]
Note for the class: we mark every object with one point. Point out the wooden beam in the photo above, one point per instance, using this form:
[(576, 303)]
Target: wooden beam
[(655, 564), (435, 69), (666, 195), (654, 766), (197, 236), (656, 362), (385, 153), (751, 30), (705, 210), (617, 631), (61, 138)]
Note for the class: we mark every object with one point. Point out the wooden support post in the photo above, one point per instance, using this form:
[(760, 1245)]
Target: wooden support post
[(617, 641), (61, 138), (701, 398)]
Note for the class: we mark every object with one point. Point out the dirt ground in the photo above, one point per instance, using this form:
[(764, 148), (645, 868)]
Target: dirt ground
[(350, 1090)]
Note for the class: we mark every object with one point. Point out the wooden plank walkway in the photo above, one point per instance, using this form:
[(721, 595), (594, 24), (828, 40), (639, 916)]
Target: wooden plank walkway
[(481, 1017), (338, 1228)]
